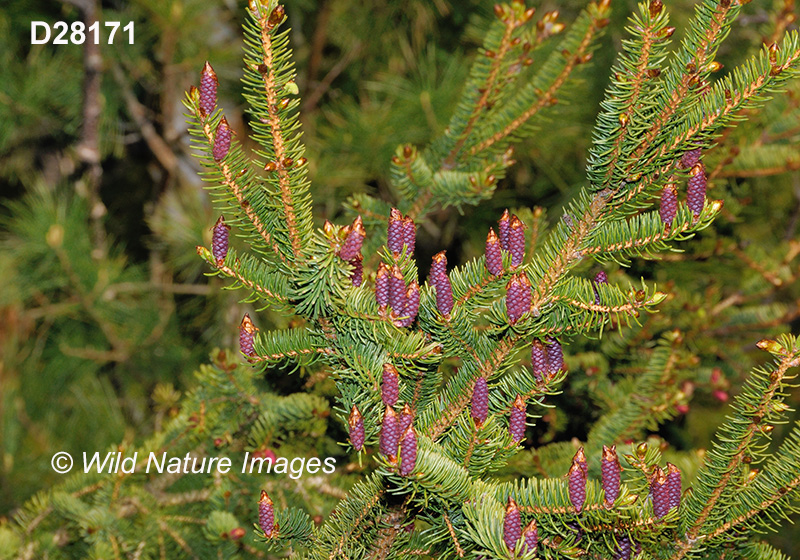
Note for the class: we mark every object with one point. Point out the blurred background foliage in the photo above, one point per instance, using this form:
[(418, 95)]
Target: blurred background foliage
[(105, 310)]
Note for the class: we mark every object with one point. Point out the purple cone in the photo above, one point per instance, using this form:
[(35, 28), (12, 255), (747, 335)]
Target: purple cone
[(222, 141), (480, 401), (219, 240), (390, 385), (408, 451), (516, 424), (610, 469), (356, 424)]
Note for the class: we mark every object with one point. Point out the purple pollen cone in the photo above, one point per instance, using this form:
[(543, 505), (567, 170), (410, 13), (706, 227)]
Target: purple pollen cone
[(668, 208), (266, 514), (539, 361), (395, 234), (222, 141), (531, 536), (696, 193), (247, 331), (494, 255), (691, 158), (577, 486), (356, 424), (518, 297), (219, 240), (516, 241), (408, 451), (357, 276), (409, 234), (352, 243), (555, 356), (516, 423), (397, 291), (512, 525), (610, 469), (444, 294), (480, 401), (208, 90), (382, 286), (390, 433), (502, 227), (390, 385), (660, 492), (673, 486)]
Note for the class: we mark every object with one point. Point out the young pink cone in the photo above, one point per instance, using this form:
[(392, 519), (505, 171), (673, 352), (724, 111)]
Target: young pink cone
[(696, 193), (518, 297), (577, 486), (409, 234), (516, 424), (502, 228), (660, 492), (673, 486), (494, 255), (382, 286), (208, 90), (623, 548), (390, 433), (512, 525), (222, 141), (405, 418), (480, 401), (266, 515), (356, 424), (390, 384), (357, 276), (395, 237), (219, 240), (397, 291), (531, 536), (668, 208), (412, 305), (691, 158), (600, 278), (247, 331), (351, 247), (444, 294), (610, 469), (438, 265), (408, 451), (516, 241), (555, 355), (539, 361)]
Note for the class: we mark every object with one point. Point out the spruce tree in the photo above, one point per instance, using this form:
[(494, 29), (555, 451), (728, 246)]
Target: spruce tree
[(438, 376)]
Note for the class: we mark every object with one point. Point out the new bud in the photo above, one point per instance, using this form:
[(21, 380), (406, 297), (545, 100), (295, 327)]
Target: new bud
[(219, 240), (266, 515), (356, 423), (512, 525), (222, 141), (412, 304), (438, 265), (580, 460)]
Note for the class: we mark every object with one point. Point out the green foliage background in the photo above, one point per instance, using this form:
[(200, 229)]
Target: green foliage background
[(97, 345)]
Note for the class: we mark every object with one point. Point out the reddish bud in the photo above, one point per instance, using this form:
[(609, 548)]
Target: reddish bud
[(356, 423), (494, 256), (266, 515), (208, 90), (247, 331), (236, 533), (222, 140), (219, 240), (480, 401), (516, 424), (390, 385), (610, 469), (512, 525), (408, 451)]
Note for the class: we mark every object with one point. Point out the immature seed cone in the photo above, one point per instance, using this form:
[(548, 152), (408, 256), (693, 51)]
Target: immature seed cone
[(580, 460), (611, 471), (512, 525), (494, 256), (266, 515), (352, 243), (696, 193), (395, 235), (390, 433), (516, 424), (208, 90), (405, 418), (577, 486), (531, 536), (669, 204), (438, 265), (673, 486), (502, 227), (247, 331), (397, 290), (382, 286), (660, 492), (480, 401), (691, 158), (518, 297), (390, 384), (600, 278), (357, 276), (412, 304), (356, 423), (408, 451), (444, 294), (555, 355), (222, 140), (623, 548), (409, 234), (219, 240), (516, 241), (539, 361)]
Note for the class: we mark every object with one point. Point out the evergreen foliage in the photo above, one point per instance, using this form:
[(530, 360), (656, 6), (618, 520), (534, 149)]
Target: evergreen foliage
[(444, 489)]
